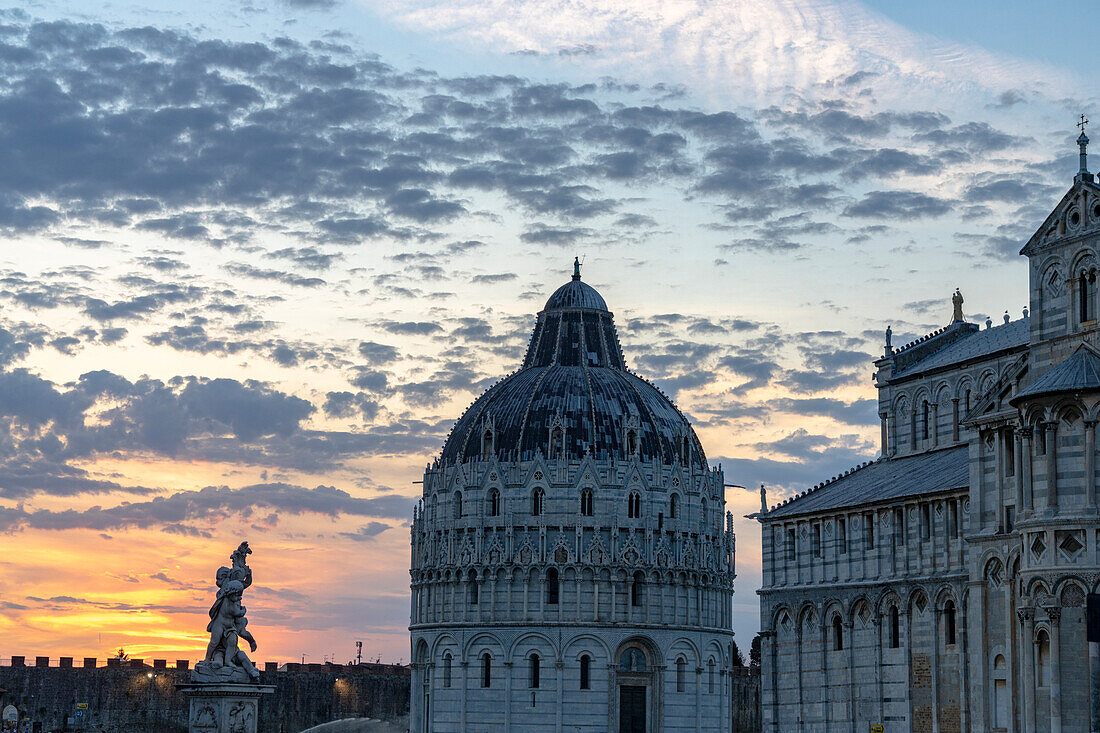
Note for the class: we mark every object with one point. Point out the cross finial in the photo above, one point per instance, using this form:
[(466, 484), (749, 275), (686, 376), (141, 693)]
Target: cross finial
[(1083, 143)]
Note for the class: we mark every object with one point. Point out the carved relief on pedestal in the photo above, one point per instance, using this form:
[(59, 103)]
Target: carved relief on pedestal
[(203, 717), (242, 717)]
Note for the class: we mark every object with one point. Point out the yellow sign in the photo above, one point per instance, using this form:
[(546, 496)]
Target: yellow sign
[(82, 706), (878, 728)]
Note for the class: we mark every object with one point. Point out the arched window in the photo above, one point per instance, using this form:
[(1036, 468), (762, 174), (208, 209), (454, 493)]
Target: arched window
[(1042, 659), (838, 634), (586, 673), (967, 401), (487, 443), (703, 510), (458, 504), (631, 442), (1086, 286), (634, 505), (710, 676), (552, 586), (471, 588), (790, 545), (895, 628), (674, 506), (446, 669), (949, 623), (924, 420), (842, 535), (533, 676), (586, 503), (913, 428), (685, 450), (636, 587), (681, 674), (494, 503), (486, 670), (536, 502)]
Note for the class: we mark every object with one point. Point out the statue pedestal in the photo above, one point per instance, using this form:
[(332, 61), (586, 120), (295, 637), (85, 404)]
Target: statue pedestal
[(224, 707)]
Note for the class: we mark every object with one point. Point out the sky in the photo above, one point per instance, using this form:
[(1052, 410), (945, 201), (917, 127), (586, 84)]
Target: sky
[(256, 258)]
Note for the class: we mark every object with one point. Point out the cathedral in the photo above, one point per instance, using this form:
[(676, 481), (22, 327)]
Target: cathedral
[(572, 558), (943, 586)]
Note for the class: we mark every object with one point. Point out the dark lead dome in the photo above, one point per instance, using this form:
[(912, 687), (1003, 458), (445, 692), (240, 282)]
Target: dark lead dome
[(572, 396)]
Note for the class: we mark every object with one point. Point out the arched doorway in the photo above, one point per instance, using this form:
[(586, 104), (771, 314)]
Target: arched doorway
[(636, 691)]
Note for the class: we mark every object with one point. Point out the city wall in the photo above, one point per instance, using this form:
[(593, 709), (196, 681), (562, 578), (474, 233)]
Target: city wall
[(137, 697)]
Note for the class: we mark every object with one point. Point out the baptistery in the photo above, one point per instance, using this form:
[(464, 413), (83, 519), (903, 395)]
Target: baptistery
[(572, 559)]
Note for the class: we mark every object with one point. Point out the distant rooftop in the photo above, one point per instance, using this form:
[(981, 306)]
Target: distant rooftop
[(1079, 372), (978, 344), (924, 473)]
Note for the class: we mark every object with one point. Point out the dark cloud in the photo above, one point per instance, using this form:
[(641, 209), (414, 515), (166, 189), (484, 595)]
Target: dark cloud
[(897, 205), (210, 505), (377, 354)]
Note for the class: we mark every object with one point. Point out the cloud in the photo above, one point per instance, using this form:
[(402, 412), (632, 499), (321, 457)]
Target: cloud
[(208, 505), (897, 206)]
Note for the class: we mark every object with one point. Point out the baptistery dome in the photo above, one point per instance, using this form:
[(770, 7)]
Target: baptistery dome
[(574, 396), (572, 559)]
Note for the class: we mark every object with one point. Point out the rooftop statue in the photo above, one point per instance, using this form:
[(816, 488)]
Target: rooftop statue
[(225, 661), (957, 303)]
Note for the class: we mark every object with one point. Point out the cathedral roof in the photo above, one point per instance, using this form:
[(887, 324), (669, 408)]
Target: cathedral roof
[(1078, 373), (884, 480), (574, 377), (976, 345)]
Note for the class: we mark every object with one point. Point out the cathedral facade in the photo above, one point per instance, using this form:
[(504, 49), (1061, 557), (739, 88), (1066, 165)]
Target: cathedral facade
[(942, 587), (572, 559)]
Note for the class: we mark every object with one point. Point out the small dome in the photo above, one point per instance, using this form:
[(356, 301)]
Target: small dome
[(576, 294)]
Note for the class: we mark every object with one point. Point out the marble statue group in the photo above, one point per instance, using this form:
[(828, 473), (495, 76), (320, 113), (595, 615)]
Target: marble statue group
[(225, 661)]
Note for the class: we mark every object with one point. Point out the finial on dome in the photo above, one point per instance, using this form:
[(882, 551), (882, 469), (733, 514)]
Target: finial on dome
[(1083, 143), (576, 268)]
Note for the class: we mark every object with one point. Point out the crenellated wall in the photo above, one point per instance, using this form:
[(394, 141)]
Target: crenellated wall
[(141, 699)]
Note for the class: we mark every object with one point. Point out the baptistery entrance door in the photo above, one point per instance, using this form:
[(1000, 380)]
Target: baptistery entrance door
[(635, 694), (632, 704)]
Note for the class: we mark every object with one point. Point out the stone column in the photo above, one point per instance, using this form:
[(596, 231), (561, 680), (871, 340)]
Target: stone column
[(955, 419), (1090, 464), (464, 669), (880, 704), (978, 499), (560, 665), (507, 664), (964, 665), (893, 426), (999, 480), (936, 612), (1018, 471), (1051, 429), (770, 638), (1026, 614), (977, 597), (1055, 615), (1010, 654), (1025, 475), (823, 688), (935, 424), (849, 628)]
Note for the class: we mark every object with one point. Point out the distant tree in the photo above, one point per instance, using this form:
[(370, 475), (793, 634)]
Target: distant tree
[(738, 657), (754, 654)]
